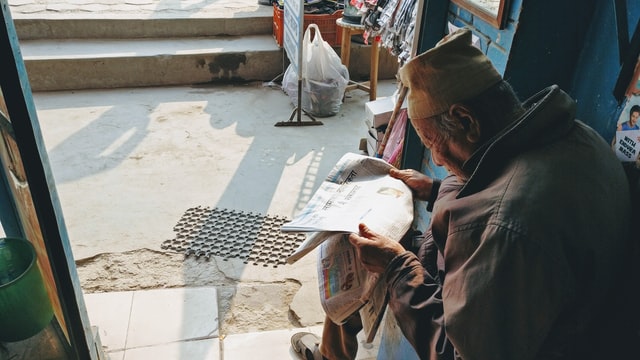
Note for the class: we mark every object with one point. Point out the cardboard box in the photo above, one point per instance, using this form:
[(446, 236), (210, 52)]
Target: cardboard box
[(378, 112)]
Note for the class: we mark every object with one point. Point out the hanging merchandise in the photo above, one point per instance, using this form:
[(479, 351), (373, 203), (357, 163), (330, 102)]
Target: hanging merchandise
[(392, 20), (406, 47), (324, 77)]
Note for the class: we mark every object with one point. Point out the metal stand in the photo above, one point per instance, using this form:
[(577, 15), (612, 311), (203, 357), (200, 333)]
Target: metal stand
[(299, 110)]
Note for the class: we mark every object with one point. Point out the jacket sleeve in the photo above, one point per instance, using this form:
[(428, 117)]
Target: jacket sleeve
[(415, 297)]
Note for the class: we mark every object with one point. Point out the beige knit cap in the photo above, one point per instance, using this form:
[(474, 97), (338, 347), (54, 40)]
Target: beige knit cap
[(450, 72)]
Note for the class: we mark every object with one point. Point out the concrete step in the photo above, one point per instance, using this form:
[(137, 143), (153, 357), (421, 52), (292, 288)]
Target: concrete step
[(72, 64), (74, 45), (125, 28), (109, 63), (73, 19)]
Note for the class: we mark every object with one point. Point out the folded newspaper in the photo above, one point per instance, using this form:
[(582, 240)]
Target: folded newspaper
[(357, 190)]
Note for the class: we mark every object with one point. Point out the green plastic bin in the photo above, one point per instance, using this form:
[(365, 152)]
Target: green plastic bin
[(25, 308)]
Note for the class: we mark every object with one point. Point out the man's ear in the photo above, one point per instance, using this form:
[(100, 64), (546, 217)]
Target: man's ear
[(468, 122)]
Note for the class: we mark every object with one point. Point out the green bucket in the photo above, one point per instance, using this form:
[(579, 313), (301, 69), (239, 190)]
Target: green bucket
[(25, 308)]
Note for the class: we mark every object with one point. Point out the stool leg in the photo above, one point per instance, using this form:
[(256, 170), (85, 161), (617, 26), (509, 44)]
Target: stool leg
[(345, 47), (373, 71)]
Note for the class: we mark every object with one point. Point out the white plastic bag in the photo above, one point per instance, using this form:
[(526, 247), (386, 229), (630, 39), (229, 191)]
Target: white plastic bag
[(290, 85), (324, 78)]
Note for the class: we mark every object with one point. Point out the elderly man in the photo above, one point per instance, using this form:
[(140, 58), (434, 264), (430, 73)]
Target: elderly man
[(529, 233)]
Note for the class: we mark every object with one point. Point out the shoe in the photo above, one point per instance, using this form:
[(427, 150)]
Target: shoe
[(306, 345), (264, 2)]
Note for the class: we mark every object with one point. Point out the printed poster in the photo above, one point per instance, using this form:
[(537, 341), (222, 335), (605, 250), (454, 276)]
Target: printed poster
[(627, 139), (627, 145)]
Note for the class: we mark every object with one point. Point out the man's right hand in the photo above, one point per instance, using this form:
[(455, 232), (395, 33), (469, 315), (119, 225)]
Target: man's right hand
[(418, 182)]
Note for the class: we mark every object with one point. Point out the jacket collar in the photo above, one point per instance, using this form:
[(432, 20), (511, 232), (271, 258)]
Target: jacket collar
[(549, 115)]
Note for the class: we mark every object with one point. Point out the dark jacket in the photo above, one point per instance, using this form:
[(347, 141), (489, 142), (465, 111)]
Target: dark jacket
[(531, 245)]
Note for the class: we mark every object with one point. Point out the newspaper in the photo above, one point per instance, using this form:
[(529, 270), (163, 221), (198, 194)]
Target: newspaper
[(357, 190)]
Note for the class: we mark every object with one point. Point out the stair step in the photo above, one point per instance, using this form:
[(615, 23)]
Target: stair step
[(109, 63), (33, 29), (74, 19), (105, 48), (93, 44)]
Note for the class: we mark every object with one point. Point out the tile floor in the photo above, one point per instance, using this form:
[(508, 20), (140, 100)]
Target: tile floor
[(131, 328)]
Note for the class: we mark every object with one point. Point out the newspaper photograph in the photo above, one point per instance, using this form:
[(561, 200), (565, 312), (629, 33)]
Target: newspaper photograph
[(358, 190)]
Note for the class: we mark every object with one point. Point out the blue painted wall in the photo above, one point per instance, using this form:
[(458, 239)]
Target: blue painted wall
[(540, 43), (597, 70), (495, 43), (547, 44)]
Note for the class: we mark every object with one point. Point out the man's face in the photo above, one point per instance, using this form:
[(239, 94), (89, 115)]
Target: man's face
[(633, 118), (450, 152)]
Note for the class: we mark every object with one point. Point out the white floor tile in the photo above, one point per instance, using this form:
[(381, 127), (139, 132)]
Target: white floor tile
[(152, 324), (277, 345), (169, 315), (110, 313), (260, 345), (208, 349), (367, 351), (116, 355)]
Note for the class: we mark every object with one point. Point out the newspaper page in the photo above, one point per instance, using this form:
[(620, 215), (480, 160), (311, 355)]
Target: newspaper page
[(341, 278), (346, 287), (357, 190)]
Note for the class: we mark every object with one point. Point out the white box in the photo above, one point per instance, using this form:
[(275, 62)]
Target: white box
[(378, 112)]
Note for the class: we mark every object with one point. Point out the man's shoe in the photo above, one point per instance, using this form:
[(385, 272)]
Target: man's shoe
[(306, 345)]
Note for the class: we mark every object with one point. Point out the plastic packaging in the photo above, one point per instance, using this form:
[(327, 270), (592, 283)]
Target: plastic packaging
[(324, 77)]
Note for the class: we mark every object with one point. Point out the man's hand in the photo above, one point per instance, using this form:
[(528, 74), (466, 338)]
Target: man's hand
[(374, 250), (418, 182)]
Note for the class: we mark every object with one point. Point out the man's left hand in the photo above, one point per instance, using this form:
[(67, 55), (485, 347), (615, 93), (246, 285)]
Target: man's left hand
[(375, 251)]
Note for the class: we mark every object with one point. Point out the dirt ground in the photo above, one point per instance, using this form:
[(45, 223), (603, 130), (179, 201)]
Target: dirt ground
[(244, 306)]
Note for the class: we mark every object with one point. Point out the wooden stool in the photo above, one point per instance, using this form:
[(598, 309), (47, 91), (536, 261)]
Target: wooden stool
[(349, 29)]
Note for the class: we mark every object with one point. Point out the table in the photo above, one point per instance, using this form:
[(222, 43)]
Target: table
[(349, 29)]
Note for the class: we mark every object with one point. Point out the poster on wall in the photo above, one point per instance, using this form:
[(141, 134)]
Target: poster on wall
[(627, 139), (627, 145)]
